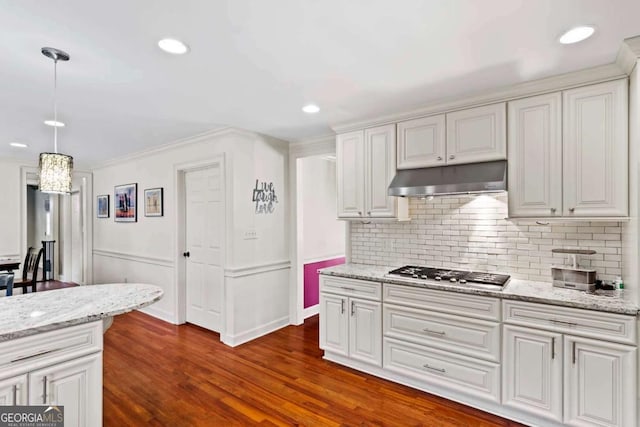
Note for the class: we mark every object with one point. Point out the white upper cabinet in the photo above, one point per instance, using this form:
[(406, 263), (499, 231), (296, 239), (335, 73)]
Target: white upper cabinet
[(350, 174), (596, 150), (421, 142), (366, 164), (477, 134), (380, 168), (535, 156)]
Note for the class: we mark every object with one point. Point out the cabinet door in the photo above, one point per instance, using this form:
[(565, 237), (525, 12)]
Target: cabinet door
[(421, 142), (334, 328), (477, 134), (380, 167), (532, 371), (535, 156), (600, 383), (365, 331), (13, 391), (595, 150), (77, 385), (350, 174)]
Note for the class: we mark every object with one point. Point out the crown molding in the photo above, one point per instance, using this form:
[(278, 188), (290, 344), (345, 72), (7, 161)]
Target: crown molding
[(628, 54), (309, 147), (584, 77)]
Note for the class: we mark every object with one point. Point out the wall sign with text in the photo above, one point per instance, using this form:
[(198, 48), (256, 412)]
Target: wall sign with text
[(264, 197)]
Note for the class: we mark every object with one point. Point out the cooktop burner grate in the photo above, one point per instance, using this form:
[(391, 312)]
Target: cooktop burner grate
[(456, 276)]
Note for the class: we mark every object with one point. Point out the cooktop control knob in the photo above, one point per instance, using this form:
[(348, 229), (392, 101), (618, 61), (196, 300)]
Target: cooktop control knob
[(438, 278), (424, 276), (415, 276), (463, 281), (453, 279)]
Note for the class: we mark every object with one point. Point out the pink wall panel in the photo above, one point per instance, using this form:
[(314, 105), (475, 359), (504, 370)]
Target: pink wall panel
[(312, 279)]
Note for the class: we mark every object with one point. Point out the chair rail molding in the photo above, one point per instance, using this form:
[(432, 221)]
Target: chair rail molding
[(252, 270), (164, 262)]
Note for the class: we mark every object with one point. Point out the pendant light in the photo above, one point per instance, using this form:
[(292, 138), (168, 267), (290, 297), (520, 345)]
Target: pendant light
[(55, 169)]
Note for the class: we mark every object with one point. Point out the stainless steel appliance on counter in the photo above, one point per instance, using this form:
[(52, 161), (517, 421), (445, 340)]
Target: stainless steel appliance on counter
[(418, 274), (573, 277)]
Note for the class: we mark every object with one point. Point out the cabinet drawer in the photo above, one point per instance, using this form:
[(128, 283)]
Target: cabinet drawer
[(573, 321), (351, 287), (47, 348), (443, 301), (464, 374), (472, 337)]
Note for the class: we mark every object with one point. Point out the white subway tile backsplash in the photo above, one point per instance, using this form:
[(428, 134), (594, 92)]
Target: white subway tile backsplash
[(471, 232)]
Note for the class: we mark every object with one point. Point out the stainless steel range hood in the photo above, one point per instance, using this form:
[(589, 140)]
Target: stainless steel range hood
[(454, 179)]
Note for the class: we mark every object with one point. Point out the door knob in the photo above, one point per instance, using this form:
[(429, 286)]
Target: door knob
[(186, 254)]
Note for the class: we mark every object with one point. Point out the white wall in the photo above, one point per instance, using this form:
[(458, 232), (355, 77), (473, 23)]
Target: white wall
[(323, 234), (10, 176), (146, 251)]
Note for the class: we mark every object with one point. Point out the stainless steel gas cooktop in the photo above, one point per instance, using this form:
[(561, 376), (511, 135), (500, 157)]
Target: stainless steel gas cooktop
[(458, 277)]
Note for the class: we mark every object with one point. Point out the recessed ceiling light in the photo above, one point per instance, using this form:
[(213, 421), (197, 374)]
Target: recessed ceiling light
[(173, 46), (54, 123), (18, 145), (577, 34), (311, 109)]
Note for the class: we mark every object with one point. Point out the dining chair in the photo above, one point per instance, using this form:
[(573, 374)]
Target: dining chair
[(6, 282), (30, 278)]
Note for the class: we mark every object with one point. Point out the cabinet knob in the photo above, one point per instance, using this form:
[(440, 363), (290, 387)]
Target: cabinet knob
[(553, 210), (359, 213), (451, 157), (369, 213), (439, 157), (572, 210)]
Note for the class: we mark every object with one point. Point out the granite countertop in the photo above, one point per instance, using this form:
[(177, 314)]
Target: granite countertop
[(32, 313), (516, 289)]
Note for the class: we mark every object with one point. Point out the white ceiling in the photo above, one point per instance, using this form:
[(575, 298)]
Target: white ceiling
[(254, 64)]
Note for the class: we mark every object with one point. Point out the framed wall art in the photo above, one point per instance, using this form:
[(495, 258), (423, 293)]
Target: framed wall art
[(125, 203), (103, 206), (153, 202)]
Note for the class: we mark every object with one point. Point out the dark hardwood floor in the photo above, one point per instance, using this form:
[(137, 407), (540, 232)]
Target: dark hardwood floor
[(159, 374)]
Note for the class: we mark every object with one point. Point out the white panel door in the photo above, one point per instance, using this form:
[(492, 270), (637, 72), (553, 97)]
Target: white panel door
[(600, 383), (365, 331), (205, 245), (380, 168), (535, 156), (477, 134), (350, 174), (334, 328), (77, 238), (596, 150), (421, 142), (532, 371), (13, 391), (76, 385)]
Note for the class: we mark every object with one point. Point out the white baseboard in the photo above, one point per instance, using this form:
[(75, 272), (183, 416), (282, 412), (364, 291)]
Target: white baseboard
[(159, 314), (311, 311), (251, 334)]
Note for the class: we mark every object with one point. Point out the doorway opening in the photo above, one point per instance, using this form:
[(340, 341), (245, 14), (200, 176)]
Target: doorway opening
[(321, 236)]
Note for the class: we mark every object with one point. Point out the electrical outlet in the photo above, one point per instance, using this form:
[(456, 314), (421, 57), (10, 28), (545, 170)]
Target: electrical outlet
[(250, 234)]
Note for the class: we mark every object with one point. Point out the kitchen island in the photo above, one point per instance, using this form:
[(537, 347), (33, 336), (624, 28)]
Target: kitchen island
[(51, 345)]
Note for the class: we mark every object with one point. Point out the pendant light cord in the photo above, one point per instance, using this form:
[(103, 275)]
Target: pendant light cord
[(55, 105)]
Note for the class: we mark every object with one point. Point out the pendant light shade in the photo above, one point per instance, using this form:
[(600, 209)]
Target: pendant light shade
[(55, 169)]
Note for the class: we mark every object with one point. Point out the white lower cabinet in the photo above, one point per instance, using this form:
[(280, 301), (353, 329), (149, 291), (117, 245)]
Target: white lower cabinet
[(600, 383), (532, 371), (61, 367), (351, 326), (13, 391), (572, 380), (76, 385)]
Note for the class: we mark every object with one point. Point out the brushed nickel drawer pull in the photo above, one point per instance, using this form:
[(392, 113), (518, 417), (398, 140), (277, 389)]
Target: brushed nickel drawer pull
[(553, 348), (429, 331), (20, 359), (353, 308), (341, 306), (15, 394), (574, 351), (560, 322), (441, 370), (347, 289), (44, 389)]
